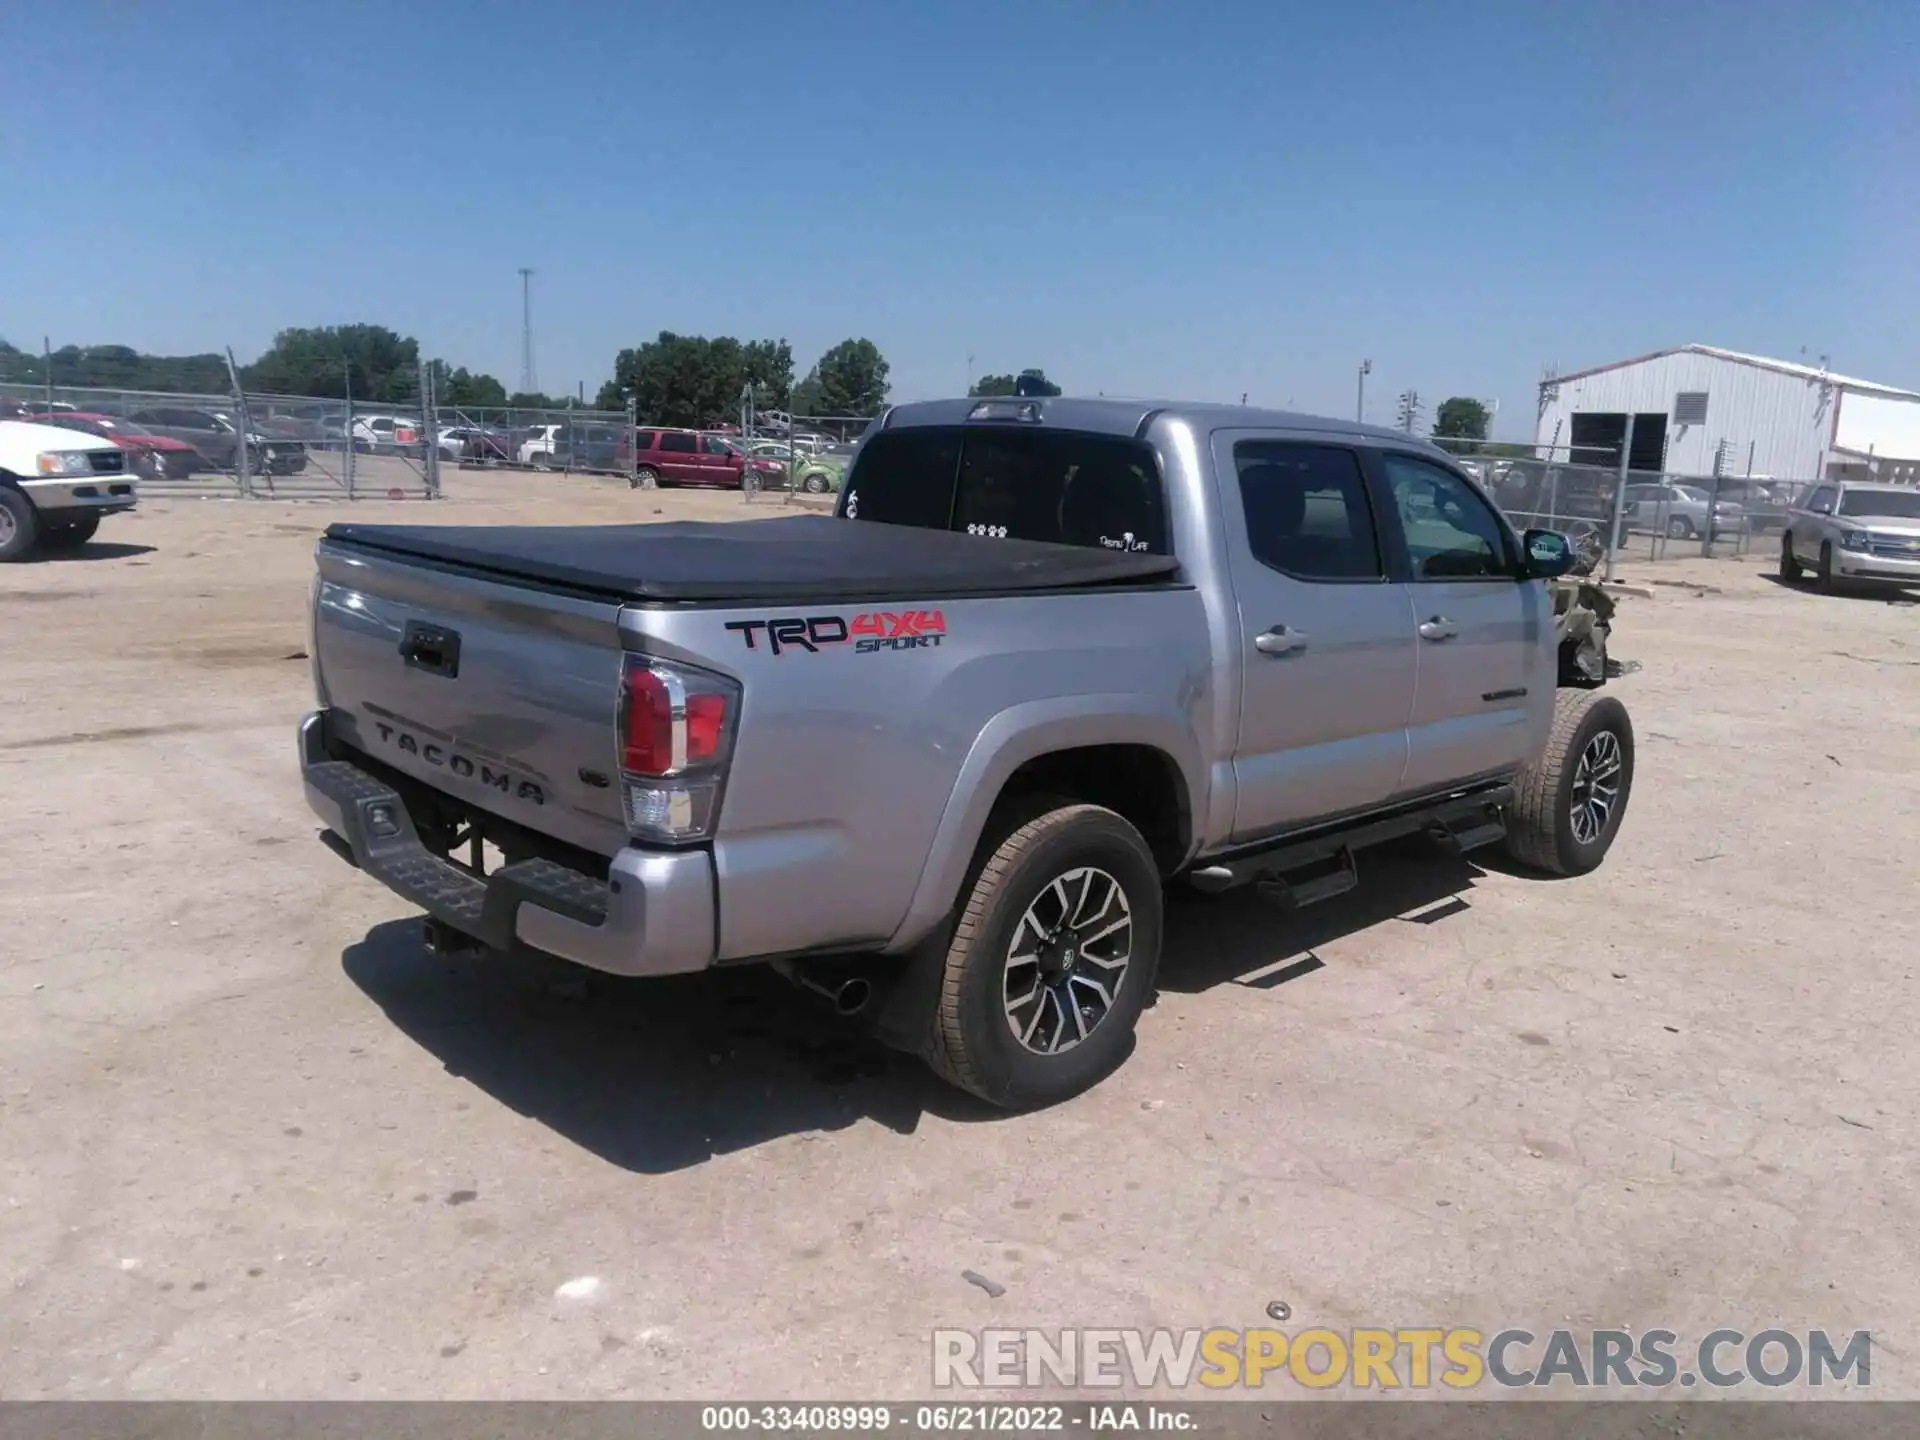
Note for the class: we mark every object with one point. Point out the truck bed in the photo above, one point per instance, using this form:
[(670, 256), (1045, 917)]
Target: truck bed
[(797, 558)]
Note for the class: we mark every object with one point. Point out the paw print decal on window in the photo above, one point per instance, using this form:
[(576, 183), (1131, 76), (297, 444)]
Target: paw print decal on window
[(996, 532)]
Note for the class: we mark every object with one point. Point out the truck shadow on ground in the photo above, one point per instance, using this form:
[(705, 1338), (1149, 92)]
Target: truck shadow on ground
[(1885, 594), (95, 550), (658, 1075)]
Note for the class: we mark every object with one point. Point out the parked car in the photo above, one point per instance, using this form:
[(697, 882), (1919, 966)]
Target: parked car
[(56, 484), (214, 434), (475, 444), (656, 457), (537, 445), (1766, 501), (822, 473), (150, 456), (594, 448), (937, 756), (1680, 511), (386, 434), (1856, 531)]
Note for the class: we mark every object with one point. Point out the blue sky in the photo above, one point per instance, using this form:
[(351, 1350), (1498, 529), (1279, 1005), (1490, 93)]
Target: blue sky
[(1197, 199)]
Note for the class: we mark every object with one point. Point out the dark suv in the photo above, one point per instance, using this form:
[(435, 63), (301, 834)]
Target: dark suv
[(217, 438)]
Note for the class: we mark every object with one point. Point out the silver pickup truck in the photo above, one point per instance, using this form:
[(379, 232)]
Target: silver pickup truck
[(936, 756)]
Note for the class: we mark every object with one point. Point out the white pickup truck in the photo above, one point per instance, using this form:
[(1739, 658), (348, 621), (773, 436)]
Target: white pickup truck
[(55, 484)]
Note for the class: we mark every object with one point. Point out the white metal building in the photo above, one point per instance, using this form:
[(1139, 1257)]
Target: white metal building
[(1700, 410)]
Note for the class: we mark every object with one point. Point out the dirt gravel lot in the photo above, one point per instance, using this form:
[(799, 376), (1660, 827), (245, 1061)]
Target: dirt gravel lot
[(254, 1142)]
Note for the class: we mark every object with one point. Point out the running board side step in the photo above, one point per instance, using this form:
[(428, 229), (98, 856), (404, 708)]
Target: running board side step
[(1310, 884), (1302, 870)]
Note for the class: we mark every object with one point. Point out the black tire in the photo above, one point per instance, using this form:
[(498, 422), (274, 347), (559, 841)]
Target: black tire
[(971, 1041), (69, 534), (646, 478), (20, 526), (814, 485), (1541, 830), (1790, 567), (1679, 527), (1823, 572)]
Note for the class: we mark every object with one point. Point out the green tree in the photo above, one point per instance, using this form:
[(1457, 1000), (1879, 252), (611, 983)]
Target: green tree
[(1035, 381), (384, 366), (695, 380), (116, 367), (461, 389), (1461, 418), (850, 379), (768, 367)]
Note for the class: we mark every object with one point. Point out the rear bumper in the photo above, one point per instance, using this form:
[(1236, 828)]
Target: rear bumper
[(653, 915)]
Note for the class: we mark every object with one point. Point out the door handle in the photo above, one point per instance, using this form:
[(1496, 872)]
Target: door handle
[(1438, 628), (429, 648), (1279, 641)]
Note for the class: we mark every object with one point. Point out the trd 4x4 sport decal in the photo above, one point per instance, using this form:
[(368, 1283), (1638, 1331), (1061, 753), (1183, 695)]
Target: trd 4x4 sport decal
[(869, 634)]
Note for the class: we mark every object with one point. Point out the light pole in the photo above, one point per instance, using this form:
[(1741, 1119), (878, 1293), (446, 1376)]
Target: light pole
[(1360, 403)]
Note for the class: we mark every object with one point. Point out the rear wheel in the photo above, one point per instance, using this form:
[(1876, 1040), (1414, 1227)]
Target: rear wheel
[(646, 478), (1052, 960), (70, 534), (19, 526), (1568, 804), (1790, 567), (814, 485)]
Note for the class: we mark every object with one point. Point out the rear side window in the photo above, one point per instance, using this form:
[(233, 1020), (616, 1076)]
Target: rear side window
[(1061, 487), (679, 442), (1307, 511), (645, 440)]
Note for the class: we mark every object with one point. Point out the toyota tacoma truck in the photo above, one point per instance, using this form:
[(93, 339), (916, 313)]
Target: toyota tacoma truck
[(55, 485), (938, 755)]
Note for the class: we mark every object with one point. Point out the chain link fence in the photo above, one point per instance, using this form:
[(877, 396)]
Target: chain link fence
[(813, 452), (572, 440), (1638, 514), (241, 444), (248, 445)]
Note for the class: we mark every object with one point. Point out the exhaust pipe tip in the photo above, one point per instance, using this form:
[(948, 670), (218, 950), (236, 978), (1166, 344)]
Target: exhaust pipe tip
[(852, 997)]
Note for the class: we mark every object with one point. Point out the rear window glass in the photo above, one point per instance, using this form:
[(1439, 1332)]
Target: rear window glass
[(1062, 487)]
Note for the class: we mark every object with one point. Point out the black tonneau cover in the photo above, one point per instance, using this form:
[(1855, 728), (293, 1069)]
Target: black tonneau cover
[(804, 557)]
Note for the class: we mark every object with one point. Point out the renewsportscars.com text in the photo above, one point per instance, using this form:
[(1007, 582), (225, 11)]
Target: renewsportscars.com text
[(1415, 1358)]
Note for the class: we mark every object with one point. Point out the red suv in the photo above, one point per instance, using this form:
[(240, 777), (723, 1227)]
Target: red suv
[(687, 457)]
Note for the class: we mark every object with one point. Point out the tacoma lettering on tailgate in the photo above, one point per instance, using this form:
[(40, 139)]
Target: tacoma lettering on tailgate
[(464, 766)]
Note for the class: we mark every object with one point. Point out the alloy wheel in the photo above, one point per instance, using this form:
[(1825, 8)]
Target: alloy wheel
[(1067, 960), (1596, 787)]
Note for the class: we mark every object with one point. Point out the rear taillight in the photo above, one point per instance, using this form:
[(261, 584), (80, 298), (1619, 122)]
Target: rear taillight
[(676, 736)]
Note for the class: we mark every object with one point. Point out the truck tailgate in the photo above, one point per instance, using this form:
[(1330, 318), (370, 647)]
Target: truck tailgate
[(502, 695)]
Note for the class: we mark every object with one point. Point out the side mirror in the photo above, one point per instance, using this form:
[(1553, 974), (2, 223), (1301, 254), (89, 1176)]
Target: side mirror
[(1549, 554)]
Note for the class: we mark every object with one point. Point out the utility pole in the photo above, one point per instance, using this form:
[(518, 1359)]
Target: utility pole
[(1409, 410), (1360, 403), (969, 374), (528, 385)]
